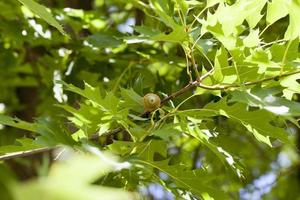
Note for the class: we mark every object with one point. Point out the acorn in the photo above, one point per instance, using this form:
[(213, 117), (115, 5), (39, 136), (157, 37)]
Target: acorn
[(151, 102)]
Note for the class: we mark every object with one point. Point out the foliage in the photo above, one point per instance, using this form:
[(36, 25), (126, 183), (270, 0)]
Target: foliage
[(74, 74)]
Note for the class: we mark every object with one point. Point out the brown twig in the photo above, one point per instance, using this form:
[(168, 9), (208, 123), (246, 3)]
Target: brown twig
[(179, 92), (198, 83)]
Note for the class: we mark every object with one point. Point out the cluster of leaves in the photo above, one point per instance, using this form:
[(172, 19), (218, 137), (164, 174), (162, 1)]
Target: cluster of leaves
[(228, 71)]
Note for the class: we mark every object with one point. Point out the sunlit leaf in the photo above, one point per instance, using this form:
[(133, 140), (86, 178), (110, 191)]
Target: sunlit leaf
[(43, 13), (257, 122)]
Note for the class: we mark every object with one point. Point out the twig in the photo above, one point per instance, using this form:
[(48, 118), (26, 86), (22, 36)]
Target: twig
[(195, 65), (121, 76), (285, 56), (196, 157), (262, 32), (25, 153), (206, 75), (199, 84), (179, 92), (188, 71), (196, 17)]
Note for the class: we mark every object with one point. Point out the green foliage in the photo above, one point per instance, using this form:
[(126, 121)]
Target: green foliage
[(42, 12), (74, 73)]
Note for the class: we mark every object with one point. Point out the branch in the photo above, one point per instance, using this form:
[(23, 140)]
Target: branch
[(199, 84), (206, 75), (25, 153), (179, 92)]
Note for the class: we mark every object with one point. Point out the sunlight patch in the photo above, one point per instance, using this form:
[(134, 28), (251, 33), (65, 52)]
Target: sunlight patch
[(280, 110), (58, 88)]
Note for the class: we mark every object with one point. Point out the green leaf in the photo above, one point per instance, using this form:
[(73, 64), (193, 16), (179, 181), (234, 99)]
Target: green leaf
[(23, 144), (178, 35), (277, 9), (257, 122), (220, 62), (225, 22), (291, 85), (287, 50), (108, 103), (183, 177), (195, 181), (213, 2), (216, 28), (132, 100), (87, 118), (293, 30), (167, 132), (163, 10), (122, 148), (183, 6), (51, 132), (253, 10), (101, 40), (266, 99), (252, 40), (17, 123), (146, 31), (43, 13), (192, 126), (262, 58), (147, 150), (89, 92)]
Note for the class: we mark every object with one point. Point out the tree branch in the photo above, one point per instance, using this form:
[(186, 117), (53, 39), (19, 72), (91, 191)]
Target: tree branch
[(198, 83), (179, 92), (25, 153)]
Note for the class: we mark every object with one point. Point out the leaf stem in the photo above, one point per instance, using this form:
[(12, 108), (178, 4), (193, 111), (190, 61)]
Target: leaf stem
[(195, 19), (262, 32), (285, 56), (121, 76), (195, 65)]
